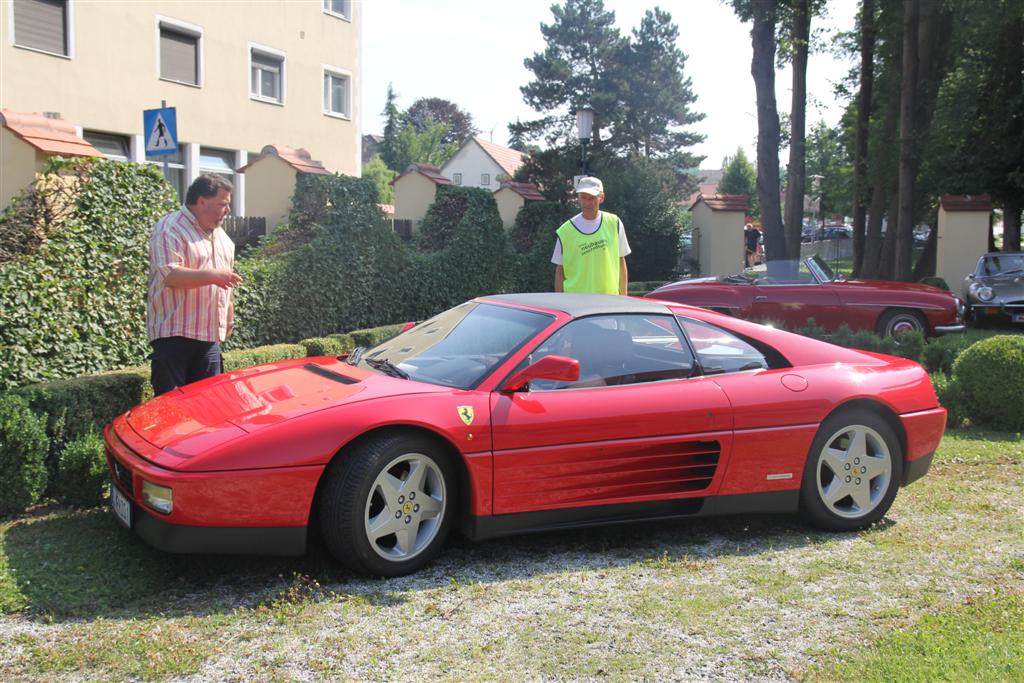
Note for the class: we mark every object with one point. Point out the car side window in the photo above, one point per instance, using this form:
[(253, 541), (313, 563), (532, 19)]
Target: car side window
[(720, 351), (615, 350)]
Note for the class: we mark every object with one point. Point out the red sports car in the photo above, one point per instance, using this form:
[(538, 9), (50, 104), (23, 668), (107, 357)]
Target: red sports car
[(793, 293), (518, 413)]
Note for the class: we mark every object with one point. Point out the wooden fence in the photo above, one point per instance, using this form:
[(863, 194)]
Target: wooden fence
[(245, 231)]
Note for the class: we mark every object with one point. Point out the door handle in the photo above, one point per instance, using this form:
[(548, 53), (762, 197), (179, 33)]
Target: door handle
[(760, 297)]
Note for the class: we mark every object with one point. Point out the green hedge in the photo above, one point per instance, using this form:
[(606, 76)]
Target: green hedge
[(77, 304), (23, 448), (989, 379)]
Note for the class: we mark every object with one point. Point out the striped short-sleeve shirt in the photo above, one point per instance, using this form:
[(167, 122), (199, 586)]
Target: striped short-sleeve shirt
[(197, 313)]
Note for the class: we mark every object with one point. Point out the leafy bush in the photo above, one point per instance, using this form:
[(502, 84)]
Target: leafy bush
[(82, 476), (23, 447), (326, 346), (941, 352), (246, 358), (950, 397), (532, 237), (76, 304), (934, 281), (990, 377)]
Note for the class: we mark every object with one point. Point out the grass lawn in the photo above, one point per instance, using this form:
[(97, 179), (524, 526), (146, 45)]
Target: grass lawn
[(934, 592)]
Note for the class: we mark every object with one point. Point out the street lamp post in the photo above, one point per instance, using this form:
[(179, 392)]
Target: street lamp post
[(584, 127)]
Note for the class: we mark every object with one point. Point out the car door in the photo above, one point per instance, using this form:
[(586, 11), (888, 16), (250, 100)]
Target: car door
[(635, 427), (793, 301)]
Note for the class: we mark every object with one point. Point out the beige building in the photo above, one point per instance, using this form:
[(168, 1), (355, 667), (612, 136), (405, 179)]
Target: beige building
[(415, 190), (270, 181), (718, 230), (239, 75), (511, 197)]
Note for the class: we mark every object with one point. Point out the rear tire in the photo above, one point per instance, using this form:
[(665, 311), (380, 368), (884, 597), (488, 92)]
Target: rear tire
[(896, 321), (387, 504), (852, 473)]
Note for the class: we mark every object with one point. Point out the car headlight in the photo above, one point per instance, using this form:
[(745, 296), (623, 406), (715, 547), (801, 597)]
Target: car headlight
[(983, 292), (157, 497)]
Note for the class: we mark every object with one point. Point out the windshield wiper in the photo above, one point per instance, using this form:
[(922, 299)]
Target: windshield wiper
[(357, 353), (387, 367), (1012, 271)]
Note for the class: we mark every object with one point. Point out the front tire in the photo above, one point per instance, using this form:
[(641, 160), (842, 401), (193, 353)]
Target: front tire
[(852, 473), (387, 504)]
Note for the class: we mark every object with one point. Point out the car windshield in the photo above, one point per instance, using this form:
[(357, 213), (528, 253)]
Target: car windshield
[(459, 347), (1002, 264)]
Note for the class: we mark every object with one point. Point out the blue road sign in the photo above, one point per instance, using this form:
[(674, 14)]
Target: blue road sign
[(160, 126)]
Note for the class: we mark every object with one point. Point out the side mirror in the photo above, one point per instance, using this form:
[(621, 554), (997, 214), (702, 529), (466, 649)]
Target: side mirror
[(559, 368)]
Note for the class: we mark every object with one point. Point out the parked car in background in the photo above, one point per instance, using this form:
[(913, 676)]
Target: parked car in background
[(995, 290), (518, 413), (793, 292), (832, 232)]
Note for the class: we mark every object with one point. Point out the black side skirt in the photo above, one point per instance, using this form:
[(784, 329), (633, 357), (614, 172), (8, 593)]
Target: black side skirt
[(479, 528)]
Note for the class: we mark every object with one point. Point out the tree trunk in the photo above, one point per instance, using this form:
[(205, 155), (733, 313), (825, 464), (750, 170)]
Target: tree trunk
[(861, 192), (887, 262), (762, 68), (1011, 225), (797, 138), (908, 144)]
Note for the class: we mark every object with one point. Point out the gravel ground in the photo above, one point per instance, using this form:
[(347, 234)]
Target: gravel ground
[(734, 599)]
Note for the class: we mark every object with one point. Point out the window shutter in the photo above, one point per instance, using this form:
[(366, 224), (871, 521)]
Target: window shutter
[(178, 56), (41, 24)]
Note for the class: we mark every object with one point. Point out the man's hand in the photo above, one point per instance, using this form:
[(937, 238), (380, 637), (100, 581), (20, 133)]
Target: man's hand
[(225, 278)]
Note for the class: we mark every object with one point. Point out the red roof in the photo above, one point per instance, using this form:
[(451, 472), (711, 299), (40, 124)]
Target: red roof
[(724, 202), (431, 172), (51, 135), (509, 159), (527, 191), (299, 159), (966, 202)]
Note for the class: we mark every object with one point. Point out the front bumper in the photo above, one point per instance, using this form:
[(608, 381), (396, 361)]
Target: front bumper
[(262, 512)]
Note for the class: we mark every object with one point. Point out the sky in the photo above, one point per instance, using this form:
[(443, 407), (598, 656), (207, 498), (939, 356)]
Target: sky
[(471, 52)]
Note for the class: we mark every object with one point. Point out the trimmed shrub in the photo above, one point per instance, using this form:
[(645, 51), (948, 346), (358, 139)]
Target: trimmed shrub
[(990, 375), (82, 476), (246, 358), (940, 353), (374, 335), (23, 447), (325, 346)]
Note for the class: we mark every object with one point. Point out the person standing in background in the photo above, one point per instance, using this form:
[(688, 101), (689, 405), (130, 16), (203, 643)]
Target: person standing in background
[(591, 247)]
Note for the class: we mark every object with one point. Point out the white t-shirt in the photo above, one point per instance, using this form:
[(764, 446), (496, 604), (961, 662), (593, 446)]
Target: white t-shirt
[(589, 227)]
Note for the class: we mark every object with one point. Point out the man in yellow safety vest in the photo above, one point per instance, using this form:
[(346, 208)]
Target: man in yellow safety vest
[(591, 247)]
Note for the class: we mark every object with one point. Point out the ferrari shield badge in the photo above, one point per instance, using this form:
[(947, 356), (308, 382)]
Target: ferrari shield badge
[(466, 413)]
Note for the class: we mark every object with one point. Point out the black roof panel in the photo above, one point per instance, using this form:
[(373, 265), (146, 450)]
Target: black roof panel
[(581, 305)]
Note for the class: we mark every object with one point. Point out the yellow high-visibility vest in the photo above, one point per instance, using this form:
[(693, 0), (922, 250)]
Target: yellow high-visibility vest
[(591, 262)]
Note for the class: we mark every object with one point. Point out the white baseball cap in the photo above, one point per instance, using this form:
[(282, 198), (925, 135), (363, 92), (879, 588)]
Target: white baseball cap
[(590, 185)]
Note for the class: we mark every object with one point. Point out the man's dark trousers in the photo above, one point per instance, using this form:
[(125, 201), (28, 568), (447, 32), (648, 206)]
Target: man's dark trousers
[(177, 361)]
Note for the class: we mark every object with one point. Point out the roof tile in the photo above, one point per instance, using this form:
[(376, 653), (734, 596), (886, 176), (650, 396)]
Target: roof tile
[(50, 135)]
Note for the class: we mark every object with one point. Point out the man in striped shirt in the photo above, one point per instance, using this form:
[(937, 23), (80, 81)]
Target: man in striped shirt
[(189, 309)]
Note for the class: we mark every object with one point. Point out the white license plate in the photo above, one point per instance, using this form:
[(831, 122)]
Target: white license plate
[(122, 506), (1017, 317)]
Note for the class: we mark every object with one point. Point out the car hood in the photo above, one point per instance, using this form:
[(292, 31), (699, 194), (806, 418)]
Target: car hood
[(1011, 287), (220, 409)]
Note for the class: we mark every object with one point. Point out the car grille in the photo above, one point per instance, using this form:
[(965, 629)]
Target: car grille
[(121, 473)]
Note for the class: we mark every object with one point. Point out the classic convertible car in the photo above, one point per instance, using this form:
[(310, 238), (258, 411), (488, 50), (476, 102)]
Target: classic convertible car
[(995, 290), (809, 289), (518, 413)]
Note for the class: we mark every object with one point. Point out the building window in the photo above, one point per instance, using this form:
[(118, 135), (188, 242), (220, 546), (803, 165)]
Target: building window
[(266, 74), (485, 178), (116, 147), (337, 92), (339, 8), (456, 178), (173, 170), (220, 162), (181, 52), (43, 25)]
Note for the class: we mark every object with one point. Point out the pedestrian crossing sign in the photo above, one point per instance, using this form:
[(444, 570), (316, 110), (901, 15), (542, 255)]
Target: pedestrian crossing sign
[(160, 128)]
